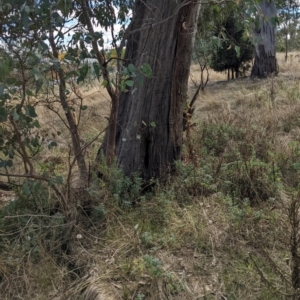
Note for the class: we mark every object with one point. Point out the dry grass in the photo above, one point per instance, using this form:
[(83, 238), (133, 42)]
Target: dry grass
[(197, 237), (221, 93)]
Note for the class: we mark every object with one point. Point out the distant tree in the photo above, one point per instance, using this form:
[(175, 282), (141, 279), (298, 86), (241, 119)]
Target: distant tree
[(264, 35), (288, 13), (222, 41), (235, 50), (204, 43)]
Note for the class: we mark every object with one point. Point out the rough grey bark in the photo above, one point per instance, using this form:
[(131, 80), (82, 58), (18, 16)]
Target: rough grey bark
[(265, 41), (150, 119)]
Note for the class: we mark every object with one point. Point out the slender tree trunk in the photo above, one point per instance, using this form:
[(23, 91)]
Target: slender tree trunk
[(265, 38), (286, 47), (150, 119), (236, 71), (78, 153), (114, 93)]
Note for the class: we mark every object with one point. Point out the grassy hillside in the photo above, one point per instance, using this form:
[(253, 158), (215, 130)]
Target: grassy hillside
[(225, 226)]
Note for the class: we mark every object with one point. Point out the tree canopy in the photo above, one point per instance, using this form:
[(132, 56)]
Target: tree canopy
[(235, 48)]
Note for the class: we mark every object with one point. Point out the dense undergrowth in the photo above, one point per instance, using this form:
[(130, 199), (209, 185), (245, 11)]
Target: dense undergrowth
[(224, 226)]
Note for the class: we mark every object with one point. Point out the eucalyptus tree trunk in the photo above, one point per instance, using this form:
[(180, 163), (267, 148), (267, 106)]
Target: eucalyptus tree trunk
[(150, 117), (265, 41)]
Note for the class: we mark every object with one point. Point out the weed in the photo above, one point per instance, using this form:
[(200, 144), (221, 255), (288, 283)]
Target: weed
[(140, 296), (124, 190)]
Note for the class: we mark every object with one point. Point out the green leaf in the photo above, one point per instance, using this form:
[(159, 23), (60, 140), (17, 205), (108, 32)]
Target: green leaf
[(59, 179), (36, 124), (44, 37), (26, 190), (96, 69), (88, 38), (37, 186), (29, 93), (97, 35), (80, 79), (35, 143), (105, 83), (30, 110), (28, 121), (6, 163), (153, 124), (38, 85), (123, 86), (44, 47), (51, 182), (237, 50), (131, 68), (146, 70), (24, 17), (275, 21), (70, 56), (16, 116), (26, 8), (125, 72), (83, 107), (84, 69), (52, 144), (36, 73), (129, 83)]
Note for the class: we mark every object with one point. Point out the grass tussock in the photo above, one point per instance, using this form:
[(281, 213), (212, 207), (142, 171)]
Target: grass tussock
[(224, 226)]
